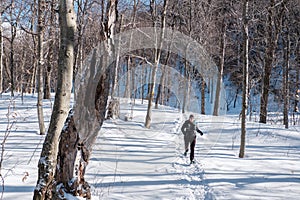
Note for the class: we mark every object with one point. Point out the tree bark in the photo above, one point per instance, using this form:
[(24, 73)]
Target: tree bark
[(202, 96), (128, 77), (245, 77), (133, 87), (286, 78), (47, 87), (297, 85), (48, 159), (41, 9), (13, 32), (116, 68), (1, 53), (32, 79)]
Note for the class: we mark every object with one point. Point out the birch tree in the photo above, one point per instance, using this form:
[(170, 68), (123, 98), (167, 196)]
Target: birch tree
[(245, 76), (157, 54), (116, 68), (130, 69), (221, 69), (187, 69), (33, 21), (82, 126), (40, 88), (48, 159)]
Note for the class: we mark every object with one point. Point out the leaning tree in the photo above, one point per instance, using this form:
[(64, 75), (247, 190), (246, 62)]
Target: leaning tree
[(47, 162)]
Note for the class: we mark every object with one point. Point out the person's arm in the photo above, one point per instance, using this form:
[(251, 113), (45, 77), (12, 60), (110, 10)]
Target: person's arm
[(183, 128), (199, 131)]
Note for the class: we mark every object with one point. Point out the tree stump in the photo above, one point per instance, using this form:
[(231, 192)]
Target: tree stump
[(72, 160)]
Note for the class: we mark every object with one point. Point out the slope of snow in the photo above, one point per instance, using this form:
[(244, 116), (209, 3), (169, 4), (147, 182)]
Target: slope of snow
[(130, 161)]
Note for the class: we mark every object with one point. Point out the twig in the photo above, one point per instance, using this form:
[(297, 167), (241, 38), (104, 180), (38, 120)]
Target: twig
[(141, 58)]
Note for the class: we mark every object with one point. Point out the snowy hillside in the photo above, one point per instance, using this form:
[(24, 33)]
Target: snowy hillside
[(131, 162)]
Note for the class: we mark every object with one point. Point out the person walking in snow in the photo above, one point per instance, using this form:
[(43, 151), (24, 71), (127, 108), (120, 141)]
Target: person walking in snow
[(189, 131)]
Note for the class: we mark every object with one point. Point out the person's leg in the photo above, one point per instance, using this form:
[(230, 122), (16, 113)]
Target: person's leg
[(186, 145), (192, 149)]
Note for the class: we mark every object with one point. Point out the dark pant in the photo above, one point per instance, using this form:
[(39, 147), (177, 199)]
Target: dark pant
[(192, 146), (193, 143)]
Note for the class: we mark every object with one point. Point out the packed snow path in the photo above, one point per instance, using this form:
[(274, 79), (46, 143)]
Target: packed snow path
[(130, 161)]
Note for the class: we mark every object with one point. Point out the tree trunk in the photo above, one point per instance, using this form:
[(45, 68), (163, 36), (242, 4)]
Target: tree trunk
[(186, 85), (116, 68), (297, 84), (268, 64), (187, 71), (221, 68), (82, 18), (211, 85), (160, 92), (48, 159), (127, 87), (13, 32), (133, 88), (41, 9), (82, 128), (47, 87), (129, 59), (12, 82), (169, 82), (152, 80), (113, 110), (286, 79), (75, 147), (22, 79), (1, 54), (202, 96), (144, 81), (157, 59), (235, 97), (160, 87), (245, 78), (32, 78)]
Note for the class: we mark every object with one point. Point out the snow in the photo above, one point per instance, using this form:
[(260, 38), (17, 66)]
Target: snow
[(130, 161)]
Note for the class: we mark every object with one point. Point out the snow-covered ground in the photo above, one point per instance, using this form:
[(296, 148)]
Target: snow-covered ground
[(131, 162)]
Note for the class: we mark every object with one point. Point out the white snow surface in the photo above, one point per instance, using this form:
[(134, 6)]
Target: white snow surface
[(132, 162)]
